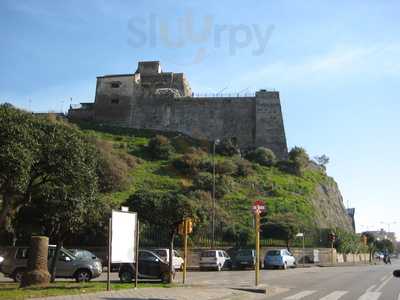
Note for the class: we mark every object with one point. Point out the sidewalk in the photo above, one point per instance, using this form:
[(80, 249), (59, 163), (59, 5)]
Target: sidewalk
[(176, 293)]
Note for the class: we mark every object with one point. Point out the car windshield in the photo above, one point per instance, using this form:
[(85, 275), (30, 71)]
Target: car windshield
[(245, 253), (208, 254), (274, 253)]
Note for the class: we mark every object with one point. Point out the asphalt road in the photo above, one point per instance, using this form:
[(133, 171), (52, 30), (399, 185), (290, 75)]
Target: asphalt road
[(362, 282)]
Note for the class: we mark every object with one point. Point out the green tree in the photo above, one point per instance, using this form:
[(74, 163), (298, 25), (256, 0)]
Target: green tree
[(19, 150), (348, 242), (370, 244), (282, 226), (164, 210), (384, 245), (62, 202), (299, 157), (322, 160)]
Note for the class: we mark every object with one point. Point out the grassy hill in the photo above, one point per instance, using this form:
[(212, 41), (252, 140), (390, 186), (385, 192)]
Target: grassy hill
[(312, 198)]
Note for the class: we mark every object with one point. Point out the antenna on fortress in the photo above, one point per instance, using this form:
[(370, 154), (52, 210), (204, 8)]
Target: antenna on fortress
[(243, 90), (223, 89)]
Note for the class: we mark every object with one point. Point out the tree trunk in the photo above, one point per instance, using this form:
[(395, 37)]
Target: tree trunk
[(5, 210), (54, 260), (171, 258), (37, 272)]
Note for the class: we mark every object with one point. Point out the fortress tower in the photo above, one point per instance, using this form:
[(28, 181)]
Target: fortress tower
[(153, 99)]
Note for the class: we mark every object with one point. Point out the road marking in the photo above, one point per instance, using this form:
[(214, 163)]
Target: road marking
[(335, 295), (300, 295), (371, 288), (383, 278), (370, 296), (398, 298), (383, 284)]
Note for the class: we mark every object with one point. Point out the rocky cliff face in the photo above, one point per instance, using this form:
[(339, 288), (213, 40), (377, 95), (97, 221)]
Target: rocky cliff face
[(329, 206)]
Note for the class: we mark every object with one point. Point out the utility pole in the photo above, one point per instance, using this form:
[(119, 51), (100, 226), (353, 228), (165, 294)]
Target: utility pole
[(184, 228), (257, 267), (258, 207), (215, 142)]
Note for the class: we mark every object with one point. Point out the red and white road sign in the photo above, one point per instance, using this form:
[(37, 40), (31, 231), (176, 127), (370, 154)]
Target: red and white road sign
[(258, 207)]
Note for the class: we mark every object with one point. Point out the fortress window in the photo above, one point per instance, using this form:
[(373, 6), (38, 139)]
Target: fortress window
[(114, 101), (115, 85)]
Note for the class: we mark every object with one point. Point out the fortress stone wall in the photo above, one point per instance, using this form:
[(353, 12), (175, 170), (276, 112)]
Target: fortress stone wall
[(152, 99)]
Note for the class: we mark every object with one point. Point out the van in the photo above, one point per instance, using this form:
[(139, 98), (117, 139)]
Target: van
[(215, 259), (177, 260)]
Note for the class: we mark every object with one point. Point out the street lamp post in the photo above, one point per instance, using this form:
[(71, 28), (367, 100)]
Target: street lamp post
[(215, 142)]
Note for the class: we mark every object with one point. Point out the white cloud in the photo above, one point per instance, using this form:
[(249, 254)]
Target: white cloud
[(341, 64)]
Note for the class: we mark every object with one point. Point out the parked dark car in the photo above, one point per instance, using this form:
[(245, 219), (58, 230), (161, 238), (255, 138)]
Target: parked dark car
[(246, 258), (151, 267)]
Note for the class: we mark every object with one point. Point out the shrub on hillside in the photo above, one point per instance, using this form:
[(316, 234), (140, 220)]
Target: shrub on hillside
[(225, 167), (159, 147), (299, 157), (189, 163), (262, 156), (227, 147), (204, 181), (244, 168)]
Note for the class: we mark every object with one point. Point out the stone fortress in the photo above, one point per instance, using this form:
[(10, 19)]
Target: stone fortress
[(163, 101)]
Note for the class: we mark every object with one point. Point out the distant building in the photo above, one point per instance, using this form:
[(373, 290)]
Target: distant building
[(350, 213)]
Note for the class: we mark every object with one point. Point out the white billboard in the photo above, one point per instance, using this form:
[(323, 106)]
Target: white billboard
[(123, 237)]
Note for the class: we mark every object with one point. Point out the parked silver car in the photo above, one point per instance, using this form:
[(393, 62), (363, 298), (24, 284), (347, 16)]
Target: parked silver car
[(68, 266)]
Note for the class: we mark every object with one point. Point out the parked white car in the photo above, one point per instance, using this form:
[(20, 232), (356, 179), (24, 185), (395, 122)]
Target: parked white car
[(177, 260), (215, 259), (280, 258)]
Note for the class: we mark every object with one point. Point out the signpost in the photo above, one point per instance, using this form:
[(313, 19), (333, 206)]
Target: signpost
[(123, 240), (332, 238), (258, 208), (301, 234), (184, 228)]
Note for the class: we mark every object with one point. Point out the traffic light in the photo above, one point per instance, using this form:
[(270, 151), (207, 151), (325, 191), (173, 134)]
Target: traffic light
[(181, 228), (185, 227), (331, 237), (189, 226)]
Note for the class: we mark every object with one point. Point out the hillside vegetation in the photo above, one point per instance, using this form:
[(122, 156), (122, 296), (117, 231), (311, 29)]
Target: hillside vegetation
[(62, 180), (298, 197)]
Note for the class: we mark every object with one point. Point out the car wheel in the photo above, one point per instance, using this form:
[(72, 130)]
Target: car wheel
[(17, 276), (125, 276), (165, 277), (83, 276)]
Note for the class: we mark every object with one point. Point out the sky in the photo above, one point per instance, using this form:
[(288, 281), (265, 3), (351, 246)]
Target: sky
[(336, 65)]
